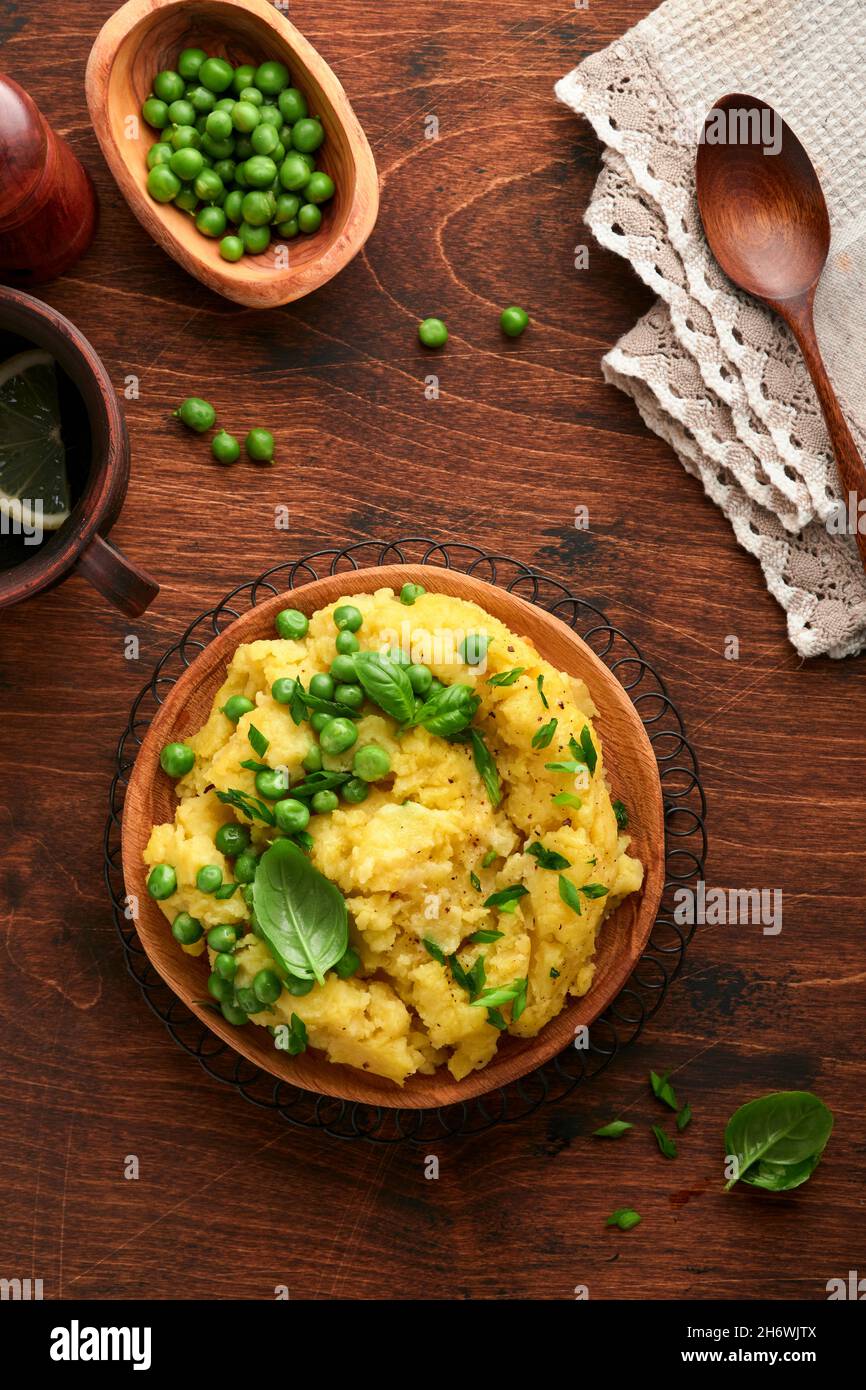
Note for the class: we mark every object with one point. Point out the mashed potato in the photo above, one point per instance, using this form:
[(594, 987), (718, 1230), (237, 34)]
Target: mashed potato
[(417, 860)]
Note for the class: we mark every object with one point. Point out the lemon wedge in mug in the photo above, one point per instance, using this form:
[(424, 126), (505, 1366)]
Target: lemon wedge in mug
[(33, 476)]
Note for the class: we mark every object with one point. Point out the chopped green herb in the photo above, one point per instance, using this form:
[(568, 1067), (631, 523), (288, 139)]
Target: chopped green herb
[(226, 890), (626, 1218), (253, 766), (495, 1018), (663, 1090), (615, 1130), (569, 894), (304, 839), (547, 858), (250, 806), (475, 881), (471, 980), (588, 748), (489, 858), (554, 973), (432, 949), (297, 1040), (594, 890), (319, 782), (506, 677), (483, 938), (621, 813), (567, 765), (542, 737), (501, 994), (258, 742), (684, 1116), (519, 999), (486, 767), (567, 799), (505, 896), (666, 1144), (540, 683)]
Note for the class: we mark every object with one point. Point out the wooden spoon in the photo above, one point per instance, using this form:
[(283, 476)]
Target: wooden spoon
[(766, 221)]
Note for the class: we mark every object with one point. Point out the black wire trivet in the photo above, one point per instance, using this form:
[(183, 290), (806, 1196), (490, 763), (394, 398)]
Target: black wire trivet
[(685, 851)]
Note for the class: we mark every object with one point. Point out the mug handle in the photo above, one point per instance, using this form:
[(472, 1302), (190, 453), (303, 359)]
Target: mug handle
[(120, 581)]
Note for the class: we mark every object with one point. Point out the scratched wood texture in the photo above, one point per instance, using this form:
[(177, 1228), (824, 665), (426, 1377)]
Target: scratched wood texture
[(230, 1201)]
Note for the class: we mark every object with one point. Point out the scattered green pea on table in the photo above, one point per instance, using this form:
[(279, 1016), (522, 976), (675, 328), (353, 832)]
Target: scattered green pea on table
[(433, 333)]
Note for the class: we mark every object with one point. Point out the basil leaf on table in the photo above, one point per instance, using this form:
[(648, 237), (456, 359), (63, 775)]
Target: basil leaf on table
[(777, 1140), (449, 711), (386, 684), (486, 767), (302, 915)]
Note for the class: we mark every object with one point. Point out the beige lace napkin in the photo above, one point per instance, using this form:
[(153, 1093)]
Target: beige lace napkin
[(711, 371)]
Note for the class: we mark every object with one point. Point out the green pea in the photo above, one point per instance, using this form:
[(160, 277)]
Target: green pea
[(337, 736), (255, 239), (435, 687), (343, 667), (186, 199), (245, 868), (297, 987), (162, 184), (473, 648), (307, 134), (292, 105), (283, 690), (225, 965), (271, 77), (260, 171), (287, 207), (189, 63), (291, 623), (160, 153), (294, 173), (186, 136), (219, 125), (196, 414), (346, 643), (202, 100), (232, 839), (232, 1013), (243, 151), (223, 937), (186, 163), (245, 118), (209, 878), (155, 112), (185, 929), (514, 321), (324, 803), (322, 686), (421, 678), (258, 208), (246, 1000), (168, 86), (225, 170), (319, 720), (433, 333), (182, 112), (312, 759), (222, 990), (271, 116), (177, 759), (348, 963), (289, 229), (347, 618), (292, 815), (208, 186), (267, 986), (272, 784), (410, 592), (211, 221), (232, 207), (224, 447), (244, 78), (216, 74), (354, 791), (309, 218), (265, 140), (218, 149), (236, 707), (161, 882), (320, 188), (252, 95), (231, 248), (350, 695), (400, 657), (371, 762)]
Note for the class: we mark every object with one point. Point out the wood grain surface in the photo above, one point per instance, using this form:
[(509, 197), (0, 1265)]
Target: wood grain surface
[(521, 434)]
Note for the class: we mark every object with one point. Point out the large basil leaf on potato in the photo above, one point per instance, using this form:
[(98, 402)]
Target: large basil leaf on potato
[(778, 1139), (449, 711), (386, 684), (302, 915)]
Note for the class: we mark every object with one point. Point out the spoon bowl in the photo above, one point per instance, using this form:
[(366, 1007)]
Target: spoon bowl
[(146, 36)]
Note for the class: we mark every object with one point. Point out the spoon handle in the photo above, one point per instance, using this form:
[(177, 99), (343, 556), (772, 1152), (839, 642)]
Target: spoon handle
[(797, 313)]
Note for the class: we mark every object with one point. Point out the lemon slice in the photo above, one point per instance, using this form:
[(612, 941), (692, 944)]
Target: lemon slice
[(32, 454)]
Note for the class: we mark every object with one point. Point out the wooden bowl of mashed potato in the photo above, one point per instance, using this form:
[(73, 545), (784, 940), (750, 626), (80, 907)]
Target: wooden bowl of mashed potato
[(535, 843)]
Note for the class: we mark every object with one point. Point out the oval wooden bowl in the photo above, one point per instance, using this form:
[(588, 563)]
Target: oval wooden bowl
[(631, 768), (146, 36)]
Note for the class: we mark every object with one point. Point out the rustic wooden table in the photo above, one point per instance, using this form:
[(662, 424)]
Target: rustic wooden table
[(521, 435)]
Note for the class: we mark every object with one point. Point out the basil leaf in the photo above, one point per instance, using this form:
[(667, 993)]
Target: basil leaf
[(432, 949), (258, 742), (250, 806), (594, 890), (449, 711), (588, 748), (621, 813), (684, 1116), (626, 1218), (486, 767), (663, 1090), (542, 737), (302, 915), (775, 1138), (506, 896), (506, 677), (479, 938), (386, 684), (615, 1130), (666, 1144), (540, 683), (547, 858), (569, 894)]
